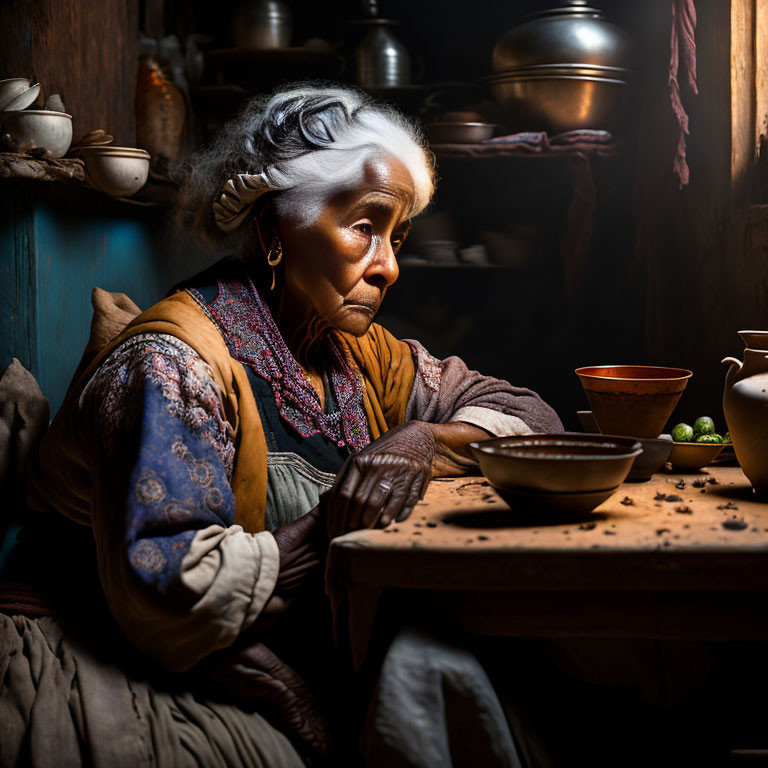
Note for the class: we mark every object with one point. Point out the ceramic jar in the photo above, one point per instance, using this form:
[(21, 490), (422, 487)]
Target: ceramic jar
[(160, 112), (745, 404)]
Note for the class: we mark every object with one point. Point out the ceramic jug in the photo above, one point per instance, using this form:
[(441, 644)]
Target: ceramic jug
[(160, 111), (745, 404)]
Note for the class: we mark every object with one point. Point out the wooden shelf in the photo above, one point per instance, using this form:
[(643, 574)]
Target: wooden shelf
[(14, 165), (159, 191)]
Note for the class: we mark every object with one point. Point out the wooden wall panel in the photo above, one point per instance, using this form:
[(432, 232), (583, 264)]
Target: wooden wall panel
[(86, 50), (761, 71), (704, 251)]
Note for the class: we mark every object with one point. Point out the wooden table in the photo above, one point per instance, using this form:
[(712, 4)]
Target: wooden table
[(691, 565)]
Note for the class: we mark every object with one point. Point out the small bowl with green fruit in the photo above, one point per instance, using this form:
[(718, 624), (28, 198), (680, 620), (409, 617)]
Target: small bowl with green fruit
[(698, 445)]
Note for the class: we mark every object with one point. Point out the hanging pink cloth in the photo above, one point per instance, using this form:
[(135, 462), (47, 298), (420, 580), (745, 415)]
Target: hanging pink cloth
[(683, 40)]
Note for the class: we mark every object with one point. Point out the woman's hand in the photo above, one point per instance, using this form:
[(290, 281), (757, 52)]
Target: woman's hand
[(382, 482), (302, 545)]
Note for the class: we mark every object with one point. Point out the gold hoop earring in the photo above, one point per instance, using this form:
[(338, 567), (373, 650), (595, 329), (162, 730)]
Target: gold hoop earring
[(274, 257)]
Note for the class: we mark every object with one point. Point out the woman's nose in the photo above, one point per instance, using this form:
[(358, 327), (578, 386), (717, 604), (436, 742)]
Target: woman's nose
[(383, 268)]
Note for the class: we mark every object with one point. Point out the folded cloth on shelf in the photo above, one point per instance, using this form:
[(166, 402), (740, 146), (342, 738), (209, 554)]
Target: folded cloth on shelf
[(582, 136), (535, 141), (588, 141)]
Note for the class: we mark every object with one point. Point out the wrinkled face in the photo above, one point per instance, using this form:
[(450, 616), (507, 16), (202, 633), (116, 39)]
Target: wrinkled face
[(340, 266)]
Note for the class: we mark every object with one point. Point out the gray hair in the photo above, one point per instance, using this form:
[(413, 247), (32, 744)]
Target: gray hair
[(309, 141)]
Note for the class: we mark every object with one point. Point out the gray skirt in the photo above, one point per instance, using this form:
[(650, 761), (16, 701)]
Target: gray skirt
[(62, 705)]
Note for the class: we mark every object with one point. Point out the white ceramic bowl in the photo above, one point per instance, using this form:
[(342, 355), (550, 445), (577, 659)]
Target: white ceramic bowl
[(26, 99), (116, 171), (34, 128), (440, 251), (11, 88)]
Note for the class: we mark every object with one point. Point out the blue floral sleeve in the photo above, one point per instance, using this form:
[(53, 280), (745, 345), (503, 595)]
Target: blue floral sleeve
[(180, 577)]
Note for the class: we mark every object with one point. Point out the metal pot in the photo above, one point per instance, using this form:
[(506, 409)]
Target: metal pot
[(557, 103), (262, 25), (381, 60), (573, 34)]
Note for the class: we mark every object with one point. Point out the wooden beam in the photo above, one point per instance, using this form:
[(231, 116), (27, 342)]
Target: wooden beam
[(743, 67), (761, 72)]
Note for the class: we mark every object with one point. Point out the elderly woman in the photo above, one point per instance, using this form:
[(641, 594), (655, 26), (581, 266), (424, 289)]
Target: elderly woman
[(216, 443)]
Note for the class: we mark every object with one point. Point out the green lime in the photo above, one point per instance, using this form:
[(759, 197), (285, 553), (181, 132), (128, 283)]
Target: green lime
[(727, 438), (682, 433), (710, 439), (703, 426)]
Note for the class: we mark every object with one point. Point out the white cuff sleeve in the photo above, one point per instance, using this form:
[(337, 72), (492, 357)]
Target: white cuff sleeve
[(497, 423)]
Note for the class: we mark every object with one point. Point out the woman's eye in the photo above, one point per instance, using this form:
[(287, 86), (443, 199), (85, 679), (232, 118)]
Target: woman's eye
[(365, 228), (397, 242)]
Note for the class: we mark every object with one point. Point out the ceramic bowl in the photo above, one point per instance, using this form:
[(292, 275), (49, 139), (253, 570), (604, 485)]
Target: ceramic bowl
[(656, 452), (34, 128), (440, 251), (25, 99), (587, 422), (507, 249), (561, 472), (459, 133), (634, 400), (754, 339), (117, 171), (474, 254), (693, 456), (11, 88)]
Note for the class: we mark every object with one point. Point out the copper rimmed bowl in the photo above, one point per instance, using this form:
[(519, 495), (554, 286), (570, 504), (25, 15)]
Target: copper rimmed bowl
[(563, 472), (634, 400)]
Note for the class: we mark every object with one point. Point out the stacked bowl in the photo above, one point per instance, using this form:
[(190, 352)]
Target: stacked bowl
[(565, 69)]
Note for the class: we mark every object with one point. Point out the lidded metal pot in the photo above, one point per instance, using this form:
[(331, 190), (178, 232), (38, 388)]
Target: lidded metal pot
[(563, 70), (574, 34)]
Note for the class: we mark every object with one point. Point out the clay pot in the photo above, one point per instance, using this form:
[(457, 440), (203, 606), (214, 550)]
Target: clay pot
[(634, 400), (745, 404)]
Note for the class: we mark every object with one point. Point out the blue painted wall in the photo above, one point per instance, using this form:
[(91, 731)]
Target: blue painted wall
[(56, 243)]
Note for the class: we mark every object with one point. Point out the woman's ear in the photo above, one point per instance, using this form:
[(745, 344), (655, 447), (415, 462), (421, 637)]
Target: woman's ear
[(264, 221)]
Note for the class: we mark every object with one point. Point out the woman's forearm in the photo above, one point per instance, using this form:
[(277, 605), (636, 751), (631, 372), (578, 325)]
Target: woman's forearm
[(452, 455)]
